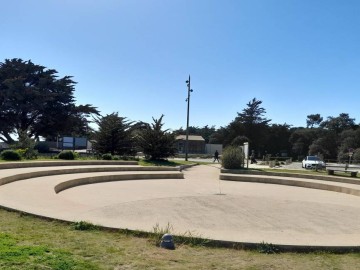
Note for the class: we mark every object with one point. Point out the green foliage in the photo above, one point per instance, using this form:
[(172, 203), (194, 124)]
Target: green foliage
[(28, 153), (232, 158), (67, 155), (42, 147), (250, 123), (239, 140), (84, 226), (302, 138), (162, 162), (156, 143), (339, 123), (356, 156), (107, 157), (206, 132), (35, 100), (25, 146), (14, 255), (268, 248), (253, 114), (187, 238), (10, 155), (313, 120), (114, 135), (325, 145), (158, 232)]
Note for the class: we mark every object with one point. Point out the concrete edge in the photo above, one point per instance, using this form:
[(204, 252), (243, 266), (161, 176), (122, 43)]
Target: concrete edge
[(297, 175), (286, 182), (183, 167), (28, 164), (110, 178), (23, 176), (211, 242)]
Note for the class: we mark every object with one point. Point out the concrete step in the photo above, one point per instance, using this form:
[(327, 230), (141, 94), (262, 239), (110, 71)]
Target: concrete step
[(352, 189), (11, 175)]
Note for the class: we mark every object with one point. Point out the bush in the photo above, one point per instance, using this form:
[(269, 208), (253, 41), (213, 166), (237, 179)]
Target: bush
[(356, 156), (67, 155), (106, 157), (84, 226), (42, 147), (28, 153), (232, 158), (10, 155)]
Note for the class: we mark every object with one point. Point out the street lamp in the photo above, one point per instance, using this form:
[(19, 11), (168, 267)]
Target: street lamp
[(187, 122)]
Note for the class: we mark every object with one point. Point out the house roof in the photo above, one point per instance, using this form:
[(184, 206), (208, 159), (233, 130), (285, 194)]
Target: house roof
[(190, 138)]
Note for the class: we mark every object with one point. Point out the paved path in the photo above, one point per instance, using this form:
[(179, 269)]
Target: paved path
[(201, 204)]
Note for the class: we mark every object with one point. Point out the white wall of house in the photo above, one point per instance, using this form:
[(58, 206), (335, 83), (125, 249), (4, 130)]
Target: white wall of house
[(211, 148)]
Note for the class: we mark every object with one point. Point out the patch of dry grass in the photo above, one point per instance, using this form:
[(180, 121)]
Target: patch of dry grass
[(114, 250)]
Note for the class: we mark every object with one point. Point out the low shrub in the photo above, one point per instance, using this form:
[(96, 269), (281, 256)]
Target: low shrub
[(42, 147), (67, 155), (84, 226), (10, 155), (28, 153), (106, 157), (232, 158), (356, 156), (268, 248)]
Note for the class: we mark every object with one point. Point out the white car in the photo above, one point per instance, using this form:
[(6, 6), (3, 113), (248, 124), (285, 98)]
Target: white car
[(312, 162)]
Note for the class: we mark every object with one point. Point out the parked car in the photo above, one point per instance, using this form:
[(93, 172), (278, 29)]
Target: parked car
[(312, 162)]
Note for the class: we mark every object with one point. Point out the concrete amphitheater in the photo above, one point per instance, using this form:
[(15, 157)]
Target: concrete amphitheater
[(286, 210)]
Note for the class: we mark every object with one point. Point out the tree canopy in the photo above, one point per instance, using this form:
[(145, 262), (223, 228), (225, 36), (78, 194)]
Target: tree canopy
[(155, 142), (114, 135), (313, 120), (253, 114), (33, 99)]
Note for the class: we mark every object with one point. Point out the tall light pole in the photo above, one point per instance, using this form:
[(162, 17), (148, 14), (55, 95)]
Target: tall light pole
[(187, 122)]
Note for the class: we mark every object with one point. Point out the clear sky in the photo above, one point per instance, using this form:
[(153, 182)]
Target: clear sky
[(298, 57)]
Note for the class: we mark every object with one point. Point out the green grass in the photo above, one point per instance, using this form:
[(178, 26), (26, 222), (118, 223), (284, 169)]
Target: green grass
[(171, 163), (31, 243), (17, 255)]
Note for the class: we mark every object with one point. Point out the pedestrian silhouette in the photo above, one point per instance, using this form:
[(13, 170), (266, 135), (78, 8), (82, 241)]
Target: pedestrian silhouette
[(216, 156)]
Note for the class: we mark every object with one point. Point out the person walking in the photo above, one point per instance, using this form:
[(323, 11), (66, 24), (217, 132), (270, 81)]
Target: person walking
[(216, 156)]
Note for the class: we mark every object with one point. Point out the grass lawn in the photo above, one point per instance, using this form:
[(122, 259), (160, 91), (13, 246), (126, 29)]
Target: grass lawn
[(30, 243), (171, 163)]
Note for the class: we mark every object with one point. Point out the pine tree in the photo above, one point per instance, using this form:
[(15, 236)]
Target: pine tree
[(114, 135), (155, 142)]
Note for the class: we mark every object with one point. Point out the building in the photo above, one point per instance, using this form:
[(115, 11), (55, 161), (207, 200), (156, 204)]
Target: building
[(196, 144)]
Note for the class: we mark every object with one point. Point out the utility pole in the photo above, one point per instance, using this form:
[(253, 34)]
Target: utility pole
[(187, 122)]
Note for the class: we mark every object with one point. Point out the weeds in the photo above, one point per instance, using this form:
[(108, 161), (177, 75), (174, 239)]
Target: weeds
[(84, 226), (268, 248), (187, 238)]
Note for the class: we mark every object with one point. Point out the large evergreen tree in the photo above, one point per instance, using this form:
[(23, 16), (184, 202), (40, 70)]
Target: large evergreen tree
[(155, 142), (313, 120), (34, 100), (255, 125), (339, 123), (253, 114), (114, 135)]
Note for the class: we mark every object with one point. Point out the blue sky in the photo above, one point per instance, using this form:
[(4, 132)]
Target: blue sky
[(298, 57)]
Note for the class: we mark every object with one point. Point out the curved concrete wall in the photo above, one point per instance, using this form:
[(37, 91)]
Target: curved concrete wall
[(288, 182), (22, 176), (13, 165), (109, 178), (297, 175)]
